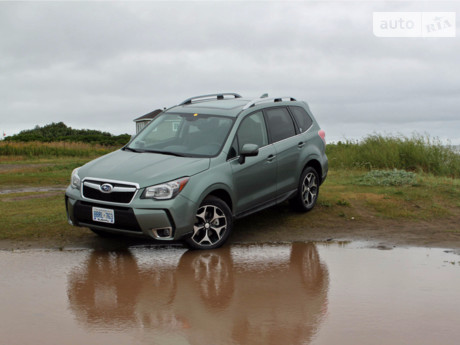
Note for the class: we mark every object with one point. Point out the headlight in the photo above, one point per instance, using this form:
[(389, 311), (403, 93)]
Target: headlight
[(75, 181), (166, 190)]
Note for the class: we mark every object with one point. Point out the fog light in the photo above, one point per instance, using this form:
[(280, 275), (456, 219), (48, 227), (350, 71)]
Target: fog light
[(162, 233)]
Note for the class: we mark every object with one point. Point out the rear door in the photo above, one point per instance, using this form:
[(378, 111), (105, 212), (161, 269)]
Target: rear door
[(283, 136)]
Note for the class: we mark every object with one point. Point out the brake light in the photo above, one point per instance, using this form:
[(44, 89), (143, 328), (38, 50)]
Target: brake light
[(322, 135)]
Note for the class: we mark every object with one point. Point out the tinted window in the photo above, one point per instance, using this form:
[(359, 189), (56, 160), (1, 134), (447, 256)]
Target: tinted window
[(303, 120), (280, 124), (253, 131)]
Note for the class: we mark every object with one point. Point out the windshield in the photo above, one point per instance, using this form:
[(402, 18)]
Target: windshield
[(189, 135)]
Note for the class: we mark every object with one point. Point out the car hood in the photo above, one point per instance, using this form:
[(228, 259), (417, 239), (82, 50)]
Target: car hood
[(146, 169)]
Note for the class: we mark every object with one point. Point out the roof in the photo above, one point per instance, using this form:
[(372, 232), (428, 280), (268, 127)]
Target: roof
[(230, 107), (224, 104), (148, 116), (226, 107)]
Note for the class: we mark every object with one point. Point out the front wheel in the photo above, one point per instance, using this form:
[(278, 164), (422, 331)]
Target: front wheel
[(307, 191), (212, 226)]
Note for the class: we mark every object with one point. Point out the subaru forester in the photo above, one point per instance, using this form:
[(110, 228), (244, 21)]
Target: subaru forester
[(200, 165)]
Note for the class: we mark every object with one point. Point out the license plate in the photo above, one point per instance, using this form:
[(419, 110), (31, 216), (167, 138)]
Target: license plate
[(103, 215)]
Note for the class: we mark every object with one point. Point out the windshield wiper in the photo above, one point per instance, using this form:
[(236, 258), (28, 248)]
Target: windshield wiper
[(132, 150), (166, 153)]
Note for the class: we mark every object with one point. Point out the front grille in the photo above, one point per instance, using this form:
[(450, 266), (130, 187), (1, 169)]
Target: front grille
[(124, 216), (122, 193)]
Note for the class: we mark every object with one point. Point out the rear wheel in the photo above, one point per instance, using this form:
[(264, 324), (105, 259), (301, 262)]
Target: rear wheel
[(307, 191), (212, 226)]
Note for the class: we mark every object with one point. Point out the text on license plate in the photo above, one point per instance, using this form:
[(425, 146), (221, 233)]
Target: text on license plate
[(104, 215)]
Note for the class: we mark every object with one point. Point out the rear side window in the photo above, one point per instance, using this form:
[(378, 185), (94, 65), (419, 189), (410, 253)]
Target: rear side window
[(280, 124), (303, 120)]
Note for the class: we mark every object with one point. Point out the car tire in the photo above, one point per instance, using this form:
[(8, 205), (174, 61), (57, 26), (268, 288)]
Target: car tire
[(307, 191), (213, 225)]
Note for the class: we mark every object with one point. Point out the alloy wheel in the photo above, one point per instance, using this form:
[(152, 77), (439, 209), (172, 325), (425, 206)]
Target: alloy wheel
[(309, 189), (210, 226)]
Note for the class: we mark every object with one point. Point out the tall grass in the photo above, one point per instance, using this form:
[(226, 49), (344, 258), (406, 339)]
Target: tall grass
[(418, 153), (54, 149)]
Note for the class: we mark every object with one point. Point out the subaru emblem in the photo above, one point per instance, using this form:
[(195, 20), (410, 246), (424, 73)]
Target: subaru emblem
[(106, 188)]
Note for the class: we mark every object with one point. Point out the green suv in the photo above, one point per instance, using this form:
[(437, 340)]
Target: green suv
[(198, 166)]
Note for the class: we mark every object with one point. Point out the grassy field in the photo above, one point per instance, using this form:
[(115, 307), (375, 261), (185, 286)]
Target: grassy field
[(353, 193), (418, 154), (22, 150)]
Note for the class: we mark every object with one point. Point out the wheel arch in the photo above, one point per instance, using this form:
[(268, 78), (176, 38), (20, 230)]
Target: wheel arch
[(224, 196), (315, 164), (219, 191)]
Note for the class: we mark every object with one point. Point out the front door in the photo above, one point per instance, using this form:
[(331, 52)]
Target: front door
[(255, 179)]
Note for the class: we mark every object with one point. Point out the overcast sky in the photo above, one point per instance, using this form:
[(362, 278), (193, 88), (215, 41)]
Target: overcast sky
[(100, 65)]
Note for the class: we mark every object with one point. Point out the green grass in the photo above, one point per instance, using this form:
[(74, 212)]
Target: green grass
[(343, 198), (417, 154), (53, 149), (38, 172), (29, 216), (431, 197), (388, 178), (38, 164)]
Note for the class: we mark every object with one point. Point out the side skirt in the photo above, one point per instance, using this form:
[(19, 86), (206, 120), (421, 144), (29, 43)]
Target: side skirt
[(270, 203)]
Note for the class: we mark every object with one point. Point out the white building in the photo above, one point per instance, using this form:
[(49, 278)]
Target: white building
[(144, 120)]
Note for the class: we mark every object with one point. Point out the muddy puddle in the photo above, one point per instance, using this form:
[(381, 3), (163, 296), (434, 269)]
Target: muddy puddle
[(302, 293)]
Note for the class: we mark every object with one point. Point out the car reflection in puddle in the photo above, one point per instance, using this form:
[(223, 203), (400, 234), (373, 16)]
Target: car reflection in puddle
[(252, 294)]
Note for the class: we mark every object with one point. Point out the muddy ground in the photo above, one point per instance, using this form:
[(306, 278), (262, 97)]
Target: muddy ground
[(442, 233)]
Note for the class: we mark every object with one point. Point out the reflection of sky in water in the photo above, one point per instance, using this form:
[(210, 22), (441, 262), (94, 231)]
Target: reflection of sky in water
[(245, 294)]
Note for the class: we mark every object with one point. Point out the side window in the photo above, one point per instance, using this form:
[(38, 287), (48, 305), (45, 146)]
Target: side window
[(303, 120), (252, 131), (280, 124)]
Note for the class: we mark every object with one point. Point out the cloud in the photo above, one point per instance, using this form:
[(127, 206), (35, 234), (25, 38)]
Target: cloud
[(100, 65)]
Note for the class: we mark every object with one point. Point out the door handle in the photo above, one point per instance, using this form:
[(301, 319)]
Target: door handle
[(271, 158), (301, 144)]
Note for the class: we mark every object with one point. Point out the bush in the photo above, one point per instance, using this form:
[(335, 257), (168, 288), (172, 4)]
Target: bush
[(59, 132)]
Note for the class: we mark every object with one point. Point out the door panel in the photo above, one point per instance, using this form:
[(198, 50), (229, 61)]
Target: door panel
[(287, 146), (255, 180), (287, 153)]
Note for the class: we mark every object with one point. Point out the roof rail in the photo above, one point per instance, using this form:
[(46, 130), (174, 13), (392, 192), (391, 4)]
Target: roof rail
[(211, 95), (264, 100)]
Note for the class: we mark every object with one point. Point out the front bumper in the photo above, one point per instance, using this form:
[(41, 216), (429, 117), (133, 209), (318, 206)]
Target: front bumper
[(162, 220)]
